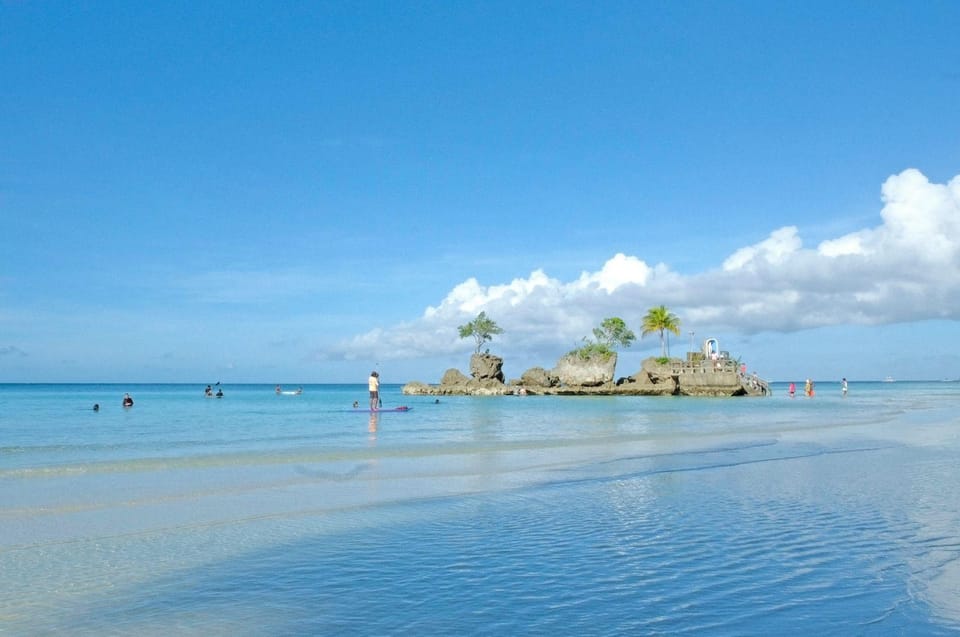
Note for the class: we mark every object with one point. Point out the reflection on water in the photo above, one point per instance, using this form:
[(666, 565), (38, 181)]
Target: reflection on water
[(533, 516), (933, 551)]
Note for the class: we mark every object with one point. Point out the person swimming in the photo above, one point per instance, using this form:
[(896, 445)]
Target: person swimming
[(127, 400)]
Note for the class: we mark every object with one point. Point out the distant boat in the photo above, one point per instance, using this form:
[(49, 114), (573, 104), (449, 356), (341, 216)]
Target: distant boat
[(888, 379)]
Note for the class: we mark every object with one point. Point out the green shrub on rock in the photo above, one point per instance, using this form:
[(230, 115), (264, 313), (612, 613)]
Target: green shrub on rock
[(612, 333)]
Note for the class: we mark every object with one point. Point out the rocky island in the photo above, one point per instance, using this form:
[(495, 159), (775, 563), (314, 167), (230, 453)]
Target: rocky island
[(590, 369), (707, 373)]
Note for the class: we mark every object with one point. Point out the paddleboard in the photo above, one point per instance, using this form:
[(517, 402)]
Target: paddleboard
[(382, 409)]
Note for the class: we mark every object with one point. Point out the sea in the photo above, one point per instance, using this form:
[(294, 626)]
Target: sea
[(274, 514)]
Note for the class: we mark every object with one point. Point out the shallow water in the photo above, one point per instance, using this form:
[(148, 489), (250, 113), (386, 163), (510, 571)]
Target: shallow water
[(287, 515)]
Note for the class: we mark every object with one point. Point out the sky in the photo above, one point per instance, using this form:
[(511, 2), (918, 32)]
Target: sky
[(301, 192)]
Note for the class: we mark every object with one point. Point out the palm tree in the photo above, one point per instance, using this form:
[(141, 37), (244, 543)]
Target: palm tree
[(660, 319)]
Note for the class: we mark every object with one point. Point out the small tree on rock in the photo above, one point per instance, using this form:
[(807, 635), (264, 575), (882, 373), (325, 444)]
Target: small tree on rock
[(482, 328), (611, 334)]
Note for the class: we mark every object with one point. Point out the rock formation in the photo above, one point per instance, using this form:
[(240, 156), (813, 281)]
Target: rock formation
[(453, 377), (574, 370), (487, 372), (486, 367), (574, 375), (538, 378)]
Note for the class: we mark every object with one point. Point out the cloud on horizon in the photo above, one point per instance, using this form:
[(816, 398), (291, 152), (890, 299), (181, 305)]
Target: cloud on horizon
[(905, 269)]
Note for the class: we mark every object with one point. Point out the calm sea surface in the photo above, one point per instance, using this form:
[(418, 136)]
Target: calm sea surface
[(265, 514)]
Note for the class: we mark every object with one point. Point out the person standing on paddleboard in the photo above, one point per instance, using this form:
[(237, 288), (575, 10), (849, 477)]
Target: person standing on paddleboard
[(374, 385)]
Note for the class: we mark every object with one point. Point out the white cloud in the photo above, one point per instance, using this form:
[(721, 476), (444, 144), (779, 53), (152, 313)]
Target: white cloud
[(920, 220), (470, 297), (775, 250), (619, 271), (850, 244), (906, 268)]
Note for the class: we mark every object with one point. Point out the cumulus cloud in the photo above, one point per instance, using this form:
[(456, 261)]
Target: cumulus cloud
[(775, 250), (904, 269), (920, 220)]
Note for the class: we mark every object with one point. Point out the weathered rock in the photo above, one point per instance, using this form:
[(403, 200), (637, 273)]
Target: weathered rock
[(640, 384), (486, 387), (455, 383), (486, 367), (657, 378), (417, 388), (593, 371), (656, 371), (591, 377), (538, 377), (453, 377)]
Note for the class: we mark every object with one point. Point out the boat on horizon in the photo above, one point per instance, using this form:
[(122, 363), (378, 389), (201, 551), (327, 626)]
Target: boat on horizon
[(888, 379)]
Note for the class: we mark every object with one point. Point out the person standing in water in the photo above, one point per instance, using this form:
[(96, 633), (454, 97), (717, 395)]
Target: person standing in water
[(843, 387), (373, 384)]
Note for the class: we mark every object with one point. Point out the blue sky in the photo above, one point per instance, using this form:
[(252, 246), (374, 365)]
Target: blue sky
[(301, 192)]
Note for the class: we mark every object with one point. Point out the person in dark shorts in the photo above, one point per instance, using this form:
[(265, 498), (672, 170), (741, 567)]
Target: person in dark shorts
[(373, 384)]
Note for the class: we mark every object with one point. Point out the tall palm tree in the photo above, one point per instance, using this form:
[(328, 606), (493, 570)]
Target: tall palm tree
[(660, 319)]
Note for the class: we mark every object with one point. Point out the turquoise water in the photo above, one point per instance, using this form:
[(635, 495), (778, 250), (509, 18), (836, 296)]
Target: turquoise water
[(259, 514)]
